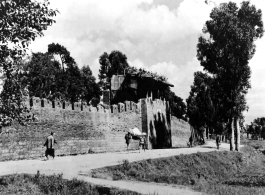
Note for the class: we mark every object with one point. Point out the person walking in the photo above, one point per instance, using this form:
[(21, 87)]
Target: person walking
[(190, 140), (49, 144), (142, 143), (217, 141), (128, 138)]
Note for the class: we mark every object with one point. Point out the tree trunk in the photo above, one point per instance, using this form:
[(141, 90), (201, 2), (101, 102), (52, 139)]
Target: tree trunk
[(232, 136), (236, 123), (207, 132)]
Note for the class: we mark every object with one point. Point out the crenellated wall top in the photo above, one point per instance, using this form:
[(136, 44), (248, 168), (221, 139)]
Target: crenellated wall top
[(56, 105)]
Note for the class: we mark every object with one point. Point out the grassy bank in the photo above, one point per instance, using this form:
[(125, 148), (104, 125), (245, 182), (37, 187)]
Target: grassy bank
[(214, 172), (257, 144), (25, 184)]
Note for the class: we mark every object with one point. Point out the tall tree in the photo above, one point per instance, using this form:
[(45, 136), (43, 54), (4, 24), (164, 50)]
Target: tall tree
[(21, 22), (177, 106), (74, 87), (104, 67), (90, 87), (200, 108), (63, 53), (42, 74), (259, 127), (45, 79), (111, 64), (226, 51)]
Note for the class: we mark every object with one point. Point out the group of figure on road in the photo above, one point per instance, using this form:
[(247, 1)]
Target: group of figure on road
[(217, 139), (50, 141), (142, 141)]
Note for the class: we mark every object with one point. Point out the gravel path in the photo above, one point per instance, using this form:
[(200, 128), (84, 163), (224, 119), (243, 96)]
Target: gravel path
[(78, 167)]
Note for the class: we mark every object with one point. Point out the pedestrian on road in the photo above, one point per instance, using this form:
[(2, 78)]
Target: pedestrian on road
[(49, 143), (202, 130), (191, 140), (218, 141), (142, 143), (128, 138)]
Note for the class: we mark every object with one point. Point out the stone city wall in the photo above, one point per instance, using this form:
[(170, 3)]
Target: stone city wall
[(180, 132), (79, 129), (82, 129), (156, 123)]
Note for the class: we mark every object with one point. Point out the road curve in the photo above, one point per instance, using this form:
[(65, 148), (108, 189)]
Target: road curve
[(78, 166)]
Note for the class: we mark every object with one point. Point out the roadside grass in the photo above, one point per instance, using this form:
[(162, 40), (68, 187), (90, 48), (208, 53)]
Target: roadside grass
[(25, 184), (218, 173), (182, 169), (257, 144)]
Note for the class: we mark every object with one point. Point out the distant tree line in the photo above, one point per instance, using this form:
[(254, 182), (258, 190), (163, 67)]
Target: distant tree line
[(257, 128), (55, 75)]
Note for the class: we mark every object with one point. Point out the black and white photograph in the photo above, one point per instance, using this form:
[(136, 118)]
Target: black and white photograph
[(132, 97)]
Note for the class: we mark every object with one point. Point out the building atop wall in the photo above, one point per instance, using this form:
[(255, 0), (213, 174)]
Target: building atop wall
[(134, 85)]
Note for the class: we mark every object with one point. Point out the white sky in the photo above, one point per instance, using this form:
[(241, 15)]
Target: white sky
[(158, 35)]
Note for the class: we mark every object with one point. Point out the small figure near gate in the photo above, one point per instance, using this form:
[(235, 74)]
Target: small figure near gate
[(49, 143), (128, 138), (142, 143), (190, 140), (218, 141)]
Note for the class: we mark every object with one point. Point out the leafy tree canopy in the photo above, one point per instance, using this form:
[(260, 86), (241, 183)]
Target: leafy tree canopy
[(63, 53), (46, 79), (200, 107), (116, 63), (226, 51), (111, 64), (21, 21), (177, 105)]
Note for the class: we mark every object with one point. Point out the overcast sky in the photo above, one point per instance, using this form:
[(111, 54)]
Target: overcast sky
[(158, 35)]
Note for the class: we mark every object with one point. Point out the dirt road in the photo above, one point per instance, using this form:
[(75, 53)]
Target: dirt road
[(78, 167)]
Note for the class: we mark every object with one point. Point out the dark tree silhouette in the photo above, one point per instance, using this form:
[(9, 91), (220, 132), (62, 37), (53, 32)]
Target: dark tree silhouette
[(225, 53), (21, 22)]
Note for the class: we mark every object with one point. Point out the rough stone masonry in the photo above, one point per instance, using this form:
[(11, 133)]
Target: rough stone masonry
[(81, 129)]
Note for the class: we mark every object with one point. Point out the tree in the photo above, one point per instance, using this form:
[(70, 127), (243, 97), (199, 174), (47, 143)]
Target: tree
[(111, 64), (225, 54), (45, 79), (74, 84), (21, 22), (118, 63), (177, 106), (104, 67), (42, 75), (259, 121), (90, 87), (200, 108), (63, 53), (258, 127), (68, 84)]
